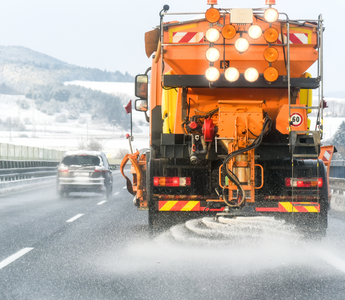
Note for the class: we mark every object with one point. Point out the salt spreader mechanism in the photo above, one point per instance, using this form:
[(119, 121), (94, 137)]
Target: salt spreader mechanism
[(233, 124)]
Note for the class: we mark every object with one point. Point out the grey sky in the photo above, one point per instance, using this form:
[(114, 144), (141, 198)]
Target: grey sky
[(109, 34)]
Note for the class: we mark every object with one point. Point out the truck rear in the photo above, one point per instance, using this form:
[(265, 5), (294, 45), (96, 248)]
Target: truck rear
[(234, 129)]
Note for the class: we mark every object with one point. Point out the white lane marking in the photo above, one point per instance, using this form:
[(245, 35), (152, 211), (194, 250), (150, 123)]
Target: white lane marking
[(74, 218), (13, 257), (116, 193), (333, 260), (124, 187), (102, 202)]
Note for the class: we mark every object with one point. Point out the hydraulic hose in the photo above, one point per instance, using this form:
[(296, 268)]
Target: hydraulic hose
[(256, 143)]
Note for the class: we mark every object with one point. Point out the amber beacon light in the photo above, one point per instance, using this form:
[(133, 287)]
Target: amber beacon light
[(271, 35), (271, 74), (271, 54), (228, 31), (212, 15), (270, 2), (212, 2)]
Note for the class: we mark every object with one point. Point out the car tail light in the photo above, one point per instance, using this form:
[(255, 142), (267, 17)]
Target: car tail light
[(62, 169), (304, 182), (100, 169), (171, 181)]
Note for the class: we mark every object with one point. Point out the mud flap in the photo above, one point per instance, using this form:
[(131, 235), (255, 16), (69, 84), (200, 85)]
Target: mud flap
[(133, 158)]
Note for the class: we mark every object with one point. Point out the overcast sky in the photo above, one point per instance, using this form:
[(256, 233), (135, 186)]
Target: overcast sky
[(109, 34)]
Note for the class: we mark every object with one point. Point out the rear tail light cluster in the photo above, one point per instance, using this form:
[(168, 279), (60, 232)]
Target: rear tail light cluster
[(304, 182), (171, 181), (100, 169), (63, 169)]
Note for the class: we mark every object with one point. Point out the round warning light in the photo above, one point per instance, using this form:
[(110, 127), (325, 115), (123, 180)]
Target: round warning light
[(231, 74), (271, 15), (251, 74), (228, 31), (255, 32), (241, 45), (212, 15), (271, 35), (212, 74), (212, 54), (271, 54), (212, 35), (271, 74)]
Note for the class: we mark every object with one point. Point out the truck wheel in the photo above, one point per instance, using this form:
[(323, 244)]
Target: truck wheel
[(152, 218), (323, 219), (314, 226)]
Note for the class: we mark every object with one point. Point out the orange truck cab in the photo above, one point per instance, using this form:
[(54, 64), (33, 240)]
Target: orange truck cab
[(234, 128)]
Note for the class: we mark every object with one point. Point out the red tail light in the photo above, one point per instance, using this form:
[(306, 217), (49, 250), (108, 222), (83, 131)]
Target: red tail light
[(171, 181), (304, 182), (62, 169), (156, 181)]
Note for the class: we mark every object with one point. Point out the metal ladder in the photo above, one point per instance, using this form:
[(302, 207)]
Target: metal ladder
[(313, 136)]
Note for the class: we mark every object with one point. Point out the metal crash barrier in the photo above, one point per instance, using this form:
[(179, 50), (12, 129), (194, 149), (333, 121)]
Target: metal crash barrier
[(26, 165)]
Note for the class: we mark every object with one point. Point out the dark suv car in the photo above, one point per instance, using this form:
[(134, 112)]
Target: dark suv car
[(84, 171)]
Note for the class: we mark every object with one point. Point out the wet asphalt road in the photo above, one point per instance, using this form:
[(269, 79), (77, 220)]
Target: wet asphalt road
[(87, 247)]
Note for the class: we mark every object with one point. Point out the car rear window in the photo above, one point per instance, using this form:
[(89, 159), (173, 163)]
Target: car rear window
[(89, 160)]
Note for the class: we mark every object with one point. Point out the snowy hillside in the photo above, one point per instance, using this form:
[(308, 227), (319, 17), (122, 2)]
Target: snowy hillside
[(31, 127), (10, 54), (21, 68)]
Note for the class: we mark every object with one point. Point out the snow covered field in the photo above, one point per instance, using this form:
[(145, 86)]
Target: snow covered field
[(41, 130)]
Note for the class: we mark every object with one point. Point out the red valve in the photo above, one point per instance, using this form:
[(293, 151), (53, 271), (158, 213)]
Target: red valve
[(193, 125), (208, 130)]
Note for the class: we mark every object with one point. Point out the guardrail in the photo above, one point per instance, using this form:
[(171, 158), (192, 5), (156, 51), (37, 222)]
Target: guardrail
[(25, 176), (26, 173), (24, 165), (337, 186), (337, 189), (337, 169), (9, 152)]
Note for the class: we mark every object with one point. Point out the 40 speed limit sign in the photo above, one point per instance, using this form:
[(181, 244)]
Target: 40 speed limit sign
[(296, 119)]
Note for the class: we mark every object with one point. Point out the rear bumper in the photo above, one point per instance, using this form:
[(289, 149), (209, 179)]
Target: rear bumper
[(81, 188), (202, 206), (81, 181), (81, 184)]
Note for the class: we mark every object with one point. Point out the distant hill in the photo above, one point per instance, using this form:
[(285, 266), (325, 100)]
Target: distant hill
[(21, 68), (41, 78)]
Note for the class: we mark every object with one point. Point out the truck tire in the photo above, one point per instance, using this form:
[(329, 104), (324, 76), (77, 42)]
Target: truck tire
[(314, 226)]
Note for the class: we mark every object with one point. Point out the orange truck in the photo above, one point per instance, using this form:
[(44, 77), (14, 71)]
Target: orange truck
[(234, 130)]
